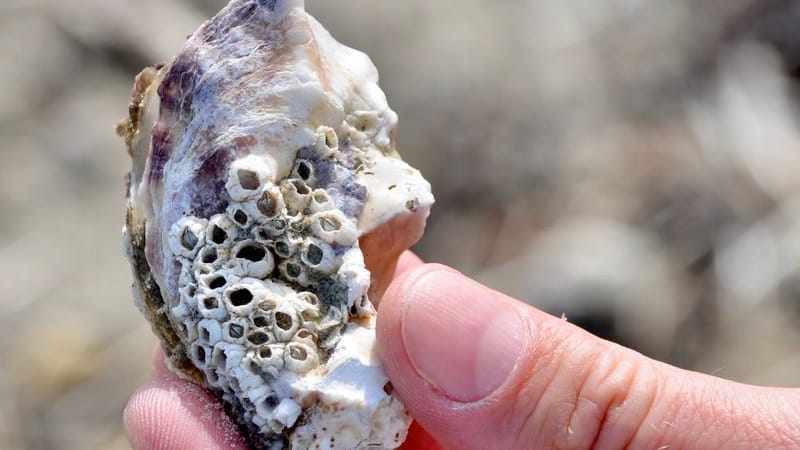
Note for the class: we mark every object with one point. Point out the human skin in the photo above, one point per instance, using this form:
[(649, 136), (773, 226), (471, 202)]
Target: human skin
[(480, 370)]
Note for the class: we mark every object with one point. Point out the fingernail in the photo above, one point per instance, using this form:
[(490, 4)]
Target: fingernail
[(460, 336)]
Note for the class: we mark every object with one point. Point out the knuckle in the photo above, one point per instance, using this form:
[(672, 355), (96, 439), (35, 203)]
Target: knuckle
[(587, 393), (610, 401)]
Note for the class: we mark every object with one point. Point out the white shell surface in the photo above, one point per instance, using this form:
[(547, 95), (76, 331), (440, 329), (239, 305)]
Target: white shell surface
[(262, 153)]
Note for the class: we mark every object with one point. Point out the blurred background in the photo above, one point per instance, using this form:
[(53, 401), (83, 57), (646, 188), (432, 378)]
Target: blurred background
[(631, 164)]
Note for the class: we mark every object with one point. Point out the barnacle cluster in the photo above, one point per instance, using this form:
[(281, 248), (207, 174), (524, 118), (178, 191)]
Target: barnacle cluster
[(252, 278), (272, 301)]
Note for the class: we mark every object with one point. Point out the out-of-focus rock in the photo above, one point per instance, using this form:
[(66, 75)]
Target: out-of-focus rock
[(673, 123)]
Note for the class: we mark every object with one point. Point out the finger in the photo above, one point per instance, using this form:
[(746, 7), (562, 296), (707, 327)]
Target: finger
[(407, 261), (479, 370), (169, 413)]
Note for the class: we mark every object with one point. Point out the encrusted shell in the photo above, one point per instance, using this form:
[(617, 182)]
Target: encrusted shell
[(265, 183)]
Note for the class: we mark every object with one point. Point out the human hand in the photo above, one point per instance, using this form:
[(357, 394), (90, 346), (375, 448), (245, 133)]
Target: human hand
[(552, 386), (480, 370)]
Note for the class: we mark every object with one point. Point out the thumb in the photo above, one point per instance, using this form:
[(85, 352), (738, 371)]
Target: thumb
[(480, 370)]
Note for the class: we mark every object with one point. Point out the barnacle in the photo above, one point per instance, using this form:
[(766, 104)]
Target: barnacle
[(266, 205)]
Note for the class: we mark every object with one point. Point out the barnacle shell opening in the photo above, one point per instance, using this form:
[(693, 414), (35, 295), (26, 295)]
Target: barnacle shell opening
[(264, 163)]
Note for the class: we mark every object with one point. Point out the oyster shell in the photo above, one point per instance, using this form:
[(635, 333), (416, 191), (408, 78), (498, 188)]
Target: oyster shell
[(264, 185)]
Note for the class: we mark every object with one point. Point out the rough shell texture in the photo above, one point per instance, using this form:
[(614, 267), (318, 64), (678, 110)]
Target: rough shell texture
[(264, 163)]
